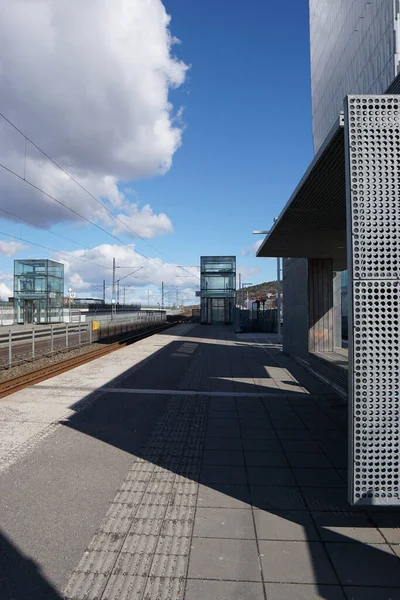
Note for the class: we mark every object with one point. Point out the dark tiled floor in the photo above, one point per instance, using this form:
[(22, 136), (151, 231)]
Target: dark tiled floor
[(273, 485)]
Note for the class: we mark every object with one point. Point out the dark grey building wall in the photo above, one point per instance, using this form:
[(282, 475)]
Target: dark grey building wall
[(295, 306)]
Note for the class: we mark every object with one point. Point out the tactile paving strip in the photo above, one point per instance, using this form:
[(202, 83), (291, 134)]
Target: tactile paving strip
[(142, 547), (373, 168)]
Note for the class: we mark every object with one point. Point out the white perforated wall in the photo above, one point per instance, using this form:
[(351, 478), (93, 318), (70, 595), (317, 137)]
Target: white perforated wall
[(373, 199)]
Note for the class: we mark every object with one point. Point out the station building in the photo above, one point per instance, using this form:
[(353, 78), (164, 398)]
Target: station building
[(339, 234)]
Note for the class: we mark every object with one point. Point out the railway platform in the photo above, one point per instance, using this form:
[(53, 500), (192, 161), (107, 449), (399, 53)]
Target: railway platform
[(195, 464)]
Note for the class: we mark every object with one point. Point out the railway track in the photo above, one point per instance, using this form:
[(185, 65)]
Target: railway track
[(18, 383)]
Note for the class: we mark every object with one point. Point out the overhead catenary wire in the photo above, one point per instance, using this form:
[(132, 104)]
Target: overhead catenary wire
[(87, 192), (135, 251), (52, 232), (15, 237)]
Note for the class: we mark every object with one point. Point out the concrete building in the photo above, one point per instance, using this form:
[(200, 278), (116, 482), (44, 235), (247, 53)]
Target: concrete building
[(339, 233)]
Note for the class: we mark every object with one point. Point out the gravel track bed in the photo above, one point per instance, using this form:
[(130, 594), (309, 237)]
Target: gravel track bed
[(45, 361)]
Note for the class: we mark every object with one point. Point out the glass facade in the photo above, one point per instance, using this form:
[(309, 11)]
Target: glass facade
[(217, 288), (38, 291), (353, 51)]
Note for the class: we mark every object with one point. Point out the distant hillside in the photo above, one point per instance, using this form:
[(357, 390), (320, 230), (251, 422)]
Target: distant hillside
[(261, 289)]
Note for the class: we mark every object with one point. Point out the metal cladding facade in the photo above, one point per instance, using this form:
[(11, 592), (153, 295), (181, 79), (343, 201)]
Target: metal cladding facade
[(372, 133), (354, 50)]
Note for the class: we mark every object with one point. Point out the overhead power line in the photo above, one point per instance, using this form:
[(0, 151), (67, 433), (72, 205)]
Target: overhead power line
[(87, 192), (50, 231), (15, 237)]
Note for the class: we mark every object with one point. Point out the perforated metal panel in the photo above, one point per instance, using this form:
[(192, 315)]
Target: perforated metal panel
[(372, 137)]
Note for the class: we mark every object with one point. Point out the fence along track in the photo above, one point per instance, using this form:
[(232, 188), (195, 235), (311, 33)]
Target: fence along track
[(18, 383)]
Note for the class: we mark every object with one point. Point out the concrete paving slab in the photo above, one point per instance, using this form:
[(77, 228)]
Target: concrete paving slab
[(270, 476), (318, 477), (289, 591), (267, 497), (294, 434), (288, 423), (295, 562), (312, 460), (371, 593), (222, 414), (346, 527), (224, 475), (223, 457), (300, 446), (396, 549), (235, 560), (224, 444), (329, 499), (388, 523), (223, 590), (365, 564), (266, 459), (224, 496), (261, 445), (227, 428), (285, 525), (224, 523), (248, 433)]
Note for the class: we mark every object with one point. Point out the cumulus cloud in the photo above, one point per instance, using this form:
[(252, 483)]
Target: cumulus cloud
[(252, 250), (144, 222), (89, 82), (247, 272), (11, 248), (88, 277), (5, 292)]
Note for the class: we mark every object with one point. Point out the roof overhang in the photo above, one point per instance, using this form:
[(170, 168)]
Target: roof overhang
[(313, 222)]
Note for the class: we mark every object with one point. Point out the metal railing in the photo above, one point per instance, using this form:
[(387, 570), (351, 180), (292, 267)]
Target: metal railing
[(17, 347)]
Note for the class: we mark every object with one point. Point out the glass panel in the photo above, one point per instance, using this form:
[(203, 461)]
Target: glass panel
[(38, 284)]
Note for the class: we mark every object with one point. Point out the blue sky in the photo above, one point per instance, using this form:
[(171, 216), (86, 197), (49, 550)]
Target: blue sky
[(245, 143)]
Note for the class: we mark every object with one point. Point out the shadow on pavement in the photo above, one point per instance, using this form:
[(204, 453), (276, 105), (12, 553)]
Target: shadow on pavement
[(280, 455), (20, 577)]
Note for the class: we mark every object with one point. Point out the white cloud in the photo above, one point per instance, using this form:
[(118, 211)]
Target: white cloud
[(6, 277), (144, 222), (5, 292), (89, 83), (247, 272), (86, 276), (252, 250), (11, 248)]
